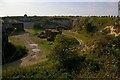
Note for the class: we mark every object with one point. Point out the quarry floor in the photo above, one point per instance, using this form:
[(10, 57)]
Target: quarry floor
[(35, 53)]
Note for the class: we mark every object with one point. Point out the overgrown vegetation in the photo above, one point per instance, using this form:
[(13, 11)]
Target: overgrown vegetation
[(65, 53), (65, 60), (80, 23)]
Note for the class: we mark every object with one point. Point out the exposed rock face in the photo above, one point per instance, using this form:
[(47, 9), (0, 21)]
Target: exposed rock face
[(44, 22), (112, 31), (28, 24), (11, 25)]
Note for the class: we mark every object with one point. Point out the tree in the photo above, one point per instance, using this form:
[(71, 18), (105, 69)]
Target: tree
[(90, 28), (25, 15)]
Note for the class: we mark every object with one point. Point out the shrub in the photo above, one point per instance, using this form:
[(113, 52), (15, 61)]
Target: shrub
[(90, 28), (65, 40), (66, 53), (94, 66)]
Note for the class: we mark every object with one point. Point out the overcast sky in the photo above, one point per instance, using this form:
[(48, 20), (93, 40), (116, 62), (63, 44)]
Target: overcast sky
[(59, 0), (58, 7)]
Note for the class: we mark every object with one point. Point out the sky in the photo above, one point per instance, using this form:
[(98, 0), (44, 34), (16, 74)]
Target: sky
[(58, 7), (59, 0)]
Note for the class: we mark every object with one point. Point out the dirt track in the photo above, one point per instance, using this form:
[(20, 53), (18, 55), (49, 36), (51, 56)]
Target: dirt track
[(34, 52)]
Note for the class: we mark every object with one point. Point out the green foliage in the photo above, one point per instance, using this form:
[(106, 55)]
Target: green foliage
[(107, 52), (79, 23), (93, 66), (100, 22), (102, 61), (90, 28), (65, 52), (66, 40), (43, 70), (108, 45)]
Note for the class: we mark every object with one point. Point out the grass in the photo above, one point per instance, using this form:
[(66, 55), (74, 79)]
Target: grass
[(87, 39), (33, 31), (15, 40), (45, 69), (47, 45), (43, 43), (15, 49)]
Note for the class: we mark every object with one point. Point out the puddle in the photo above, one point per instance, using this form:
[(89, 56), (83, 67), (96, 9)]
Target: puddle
[(33, 45), (36, 50)]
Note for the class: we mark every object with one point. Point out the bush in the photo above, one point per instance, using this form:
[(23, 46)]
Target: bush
[(65, 40), (66, 53), (90, 28), (93, 66)]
